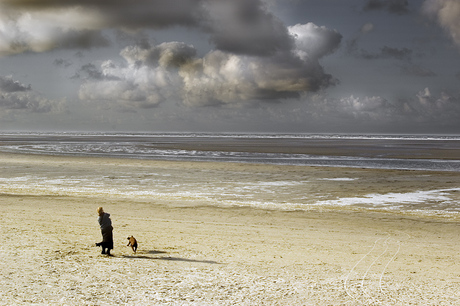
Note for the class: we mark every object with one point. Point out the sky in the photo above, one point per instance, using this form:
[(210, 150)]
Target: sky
[(274, 66)]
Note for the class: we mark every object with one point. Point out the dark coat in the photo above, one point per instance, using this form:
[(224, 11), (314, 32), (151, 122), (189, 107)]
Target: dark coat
[(106, 231)]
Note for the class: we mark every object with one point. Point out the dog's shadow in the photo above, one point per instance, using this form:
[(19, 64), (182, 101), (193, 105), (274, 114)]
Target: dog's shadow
[(145, 255)]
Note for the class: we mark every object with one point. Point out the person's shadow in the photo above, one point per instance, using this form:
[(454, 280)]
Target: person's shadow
[(148, 255)]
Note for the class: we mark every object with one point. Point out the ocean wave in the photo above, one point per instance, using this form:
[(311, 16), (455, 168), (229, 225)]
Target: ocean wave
[(149, 146)]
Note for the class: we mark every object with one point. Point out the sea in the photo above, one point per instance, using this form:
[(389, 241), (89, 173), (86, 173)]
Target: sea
[(414, 153), (404, 152)]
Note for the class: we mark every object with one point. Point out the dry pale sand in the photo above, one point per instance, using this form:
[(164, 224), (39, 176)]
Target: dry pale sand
[(193, 253)]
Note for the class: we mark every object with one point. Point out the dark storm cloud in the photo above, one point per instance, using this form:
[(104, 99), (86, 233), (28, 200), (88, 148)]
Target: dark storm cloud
[(257, 57), (133, 14), (245, 27), (173, 71), (238, 26), (84, 39), (398, 7), (222, 78)]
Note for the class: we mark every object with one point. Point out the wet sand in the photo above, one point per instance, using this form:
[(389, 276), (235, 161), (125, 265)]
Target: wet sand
[(194, 253)]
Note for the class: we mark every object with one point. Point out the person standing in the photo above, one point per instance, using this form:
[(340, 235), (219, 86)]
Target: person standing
[(106, 231)]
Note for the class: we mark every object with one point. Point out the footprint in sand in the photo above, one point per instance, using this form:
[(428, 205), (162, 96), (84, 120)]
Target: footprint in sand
[(366, 281)]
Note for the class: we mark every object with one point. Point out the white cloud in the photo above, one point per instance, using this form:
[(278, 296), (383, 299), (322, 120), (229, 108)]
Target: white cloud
[(257, 58), (423, 110), (44, 31), (443, 105), (313, 41), (173, 71), (361, 108), (223, 78), (364, 104), (130, 85)]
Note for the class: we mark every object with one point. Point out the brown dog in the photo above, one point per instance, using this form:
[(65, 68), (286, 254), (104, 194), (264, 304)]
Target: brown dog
[(133, 243)]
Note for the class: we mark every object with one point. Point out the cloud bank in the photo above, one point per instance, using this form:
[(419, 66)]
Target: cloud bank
[(15, 96), (423, 108), (237, 26), (256, 56), (173, 71)]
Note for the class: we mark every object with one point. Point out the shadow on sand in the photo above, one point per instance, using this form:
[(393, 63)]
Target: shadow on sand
[(145, 255)]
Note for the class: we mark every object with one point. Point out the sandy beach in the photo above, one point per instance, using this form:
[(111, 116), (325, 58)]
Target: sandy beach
[(209, 250)]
